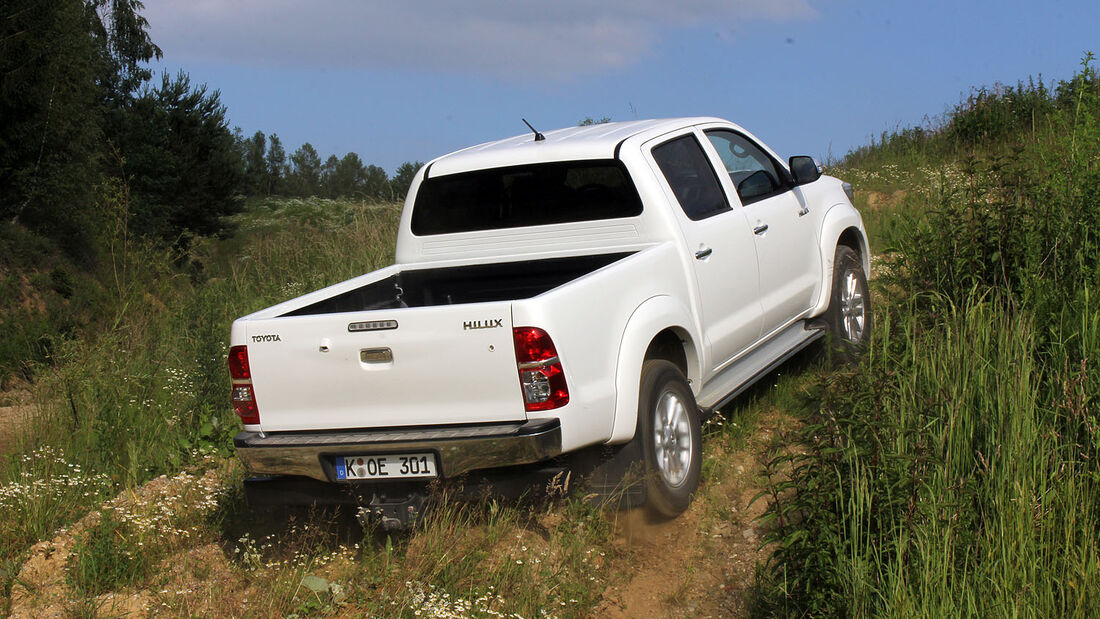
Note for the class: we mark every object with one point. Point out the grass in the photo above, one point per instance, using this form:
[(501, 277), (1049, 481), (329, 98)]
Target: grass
[(153, 387), (152, 383), (953, 472)]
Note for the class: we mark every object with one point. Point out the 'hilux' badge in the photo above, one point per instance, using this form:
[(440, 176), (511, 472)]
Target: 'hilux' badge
[(483, 324)]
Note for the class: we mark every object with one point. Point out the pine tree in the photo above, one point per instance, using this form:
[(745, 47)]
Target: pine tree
[(328, 177), (376, 185), (255, 164), (403, 178), (276, 165), (304, 178), (182, 166)]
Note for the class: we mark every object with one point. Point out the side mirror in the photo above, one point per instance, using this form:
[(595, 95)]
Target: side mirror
[(804, 169)]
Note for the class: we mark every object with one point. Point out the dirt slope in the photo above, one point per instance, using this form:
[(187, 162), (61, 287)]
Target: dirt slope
[(701, 564)]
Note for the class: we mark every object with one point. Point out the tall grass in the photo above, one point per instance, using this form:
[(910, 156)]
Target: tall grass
[(954, 471), (147, 395)]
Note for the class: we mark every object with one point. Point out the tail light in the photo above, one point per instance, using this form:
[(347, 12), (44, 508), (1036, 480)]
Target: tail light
[(243, 396), (540, 371)]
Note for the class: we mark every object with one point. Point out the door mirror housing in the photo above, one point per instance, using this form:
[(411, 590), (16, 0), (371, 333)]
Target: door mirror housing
[(804, 169)]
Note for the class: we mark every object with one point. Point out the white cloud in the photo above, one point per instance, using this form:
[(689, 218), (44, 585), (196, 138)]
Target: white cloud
[(552, 39)]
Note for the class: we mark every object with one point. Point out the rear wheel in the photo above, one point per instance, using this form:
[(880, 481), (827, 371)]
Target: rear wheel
[(849, 313), (672, 441)]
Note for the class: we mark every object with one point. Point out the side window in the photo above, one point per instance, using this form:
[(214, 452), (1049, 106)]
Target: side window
[(691, 177), (754, 174)]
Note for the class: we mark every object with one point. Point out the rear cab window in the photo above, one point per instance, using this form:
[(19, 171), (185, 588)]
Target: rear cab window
[(526, 195)]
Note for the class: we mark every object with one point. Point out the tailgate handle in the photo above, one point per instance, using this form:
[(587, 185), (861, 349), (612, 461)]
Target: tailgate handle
[(376, 355)]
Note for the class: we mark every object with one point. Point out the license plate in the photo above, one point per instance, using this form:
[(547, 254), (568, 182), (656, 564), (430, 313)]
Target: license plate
[(388, 466)]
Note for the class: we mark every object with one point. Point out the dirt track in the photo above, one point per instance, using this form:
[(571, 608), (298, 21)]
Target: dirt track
[(701, 564)]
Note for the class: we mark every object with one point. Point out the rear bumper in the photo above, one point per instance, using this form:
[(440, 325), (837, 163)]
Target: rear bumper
[(459, 449)]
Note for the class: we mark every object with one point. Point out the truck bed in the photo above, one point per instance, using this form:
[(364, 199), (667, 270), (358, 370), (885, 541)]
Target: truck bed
[(482, 283), (446, 336)]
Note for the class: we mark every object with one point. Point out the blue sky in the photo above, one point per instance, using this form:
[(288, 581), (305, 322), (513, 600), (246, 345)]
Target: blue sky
[(411, 80)]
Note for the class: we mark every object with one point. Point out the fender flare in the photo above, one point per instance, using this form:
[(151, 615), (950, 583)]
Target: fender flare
[(654, 315), (839, 219)]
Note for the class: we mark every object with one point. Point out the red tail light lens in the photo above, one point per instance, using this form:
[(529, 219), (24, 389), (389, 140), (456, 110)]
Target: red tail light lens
[(243, 395), (238, 363), (541, 375)]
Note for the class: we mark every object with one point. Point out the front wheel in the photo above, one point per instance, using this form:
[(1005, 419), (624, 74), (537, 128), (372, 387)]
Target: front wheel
[(672, 438), (849, 313)]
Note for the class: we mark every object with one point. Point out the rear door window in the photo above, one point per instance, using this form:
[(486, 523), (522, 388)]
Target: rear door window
[(691, 177), (528, 195)]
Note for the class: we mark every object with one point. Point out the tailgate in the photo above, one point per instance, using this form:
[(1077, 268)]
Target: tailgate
[(445, 364)]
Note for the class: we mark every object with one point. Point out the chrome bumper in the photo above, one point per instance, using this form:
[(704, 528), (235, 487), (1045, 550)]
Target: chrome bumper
[(460, 449)]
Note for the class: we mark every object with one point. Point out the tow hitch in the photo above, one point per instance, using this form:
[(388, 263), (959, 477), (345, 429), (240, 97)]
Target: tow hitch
[(393, 513)]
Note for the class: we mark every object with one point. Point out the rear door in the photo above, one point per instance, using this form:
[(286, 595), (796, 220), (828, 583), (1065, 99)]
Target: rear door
[(444, 364), (721, 247)]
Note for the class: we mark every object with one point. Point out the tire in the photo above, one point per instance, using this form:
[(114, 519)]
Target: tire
[(671, 439), (849, 315)]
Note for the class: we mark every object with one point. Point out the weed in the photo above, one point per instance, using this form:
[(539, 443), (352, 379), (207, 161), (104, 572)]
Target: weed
[(108, 557), (952, 472)]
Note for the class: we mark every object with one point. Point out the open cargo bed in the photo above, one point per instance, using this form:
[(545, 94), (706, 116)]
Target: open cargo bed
[(480, 283)]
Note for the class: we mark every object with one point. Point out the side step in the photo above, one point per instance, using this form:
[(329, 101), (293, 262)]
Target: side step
[(734, 380)]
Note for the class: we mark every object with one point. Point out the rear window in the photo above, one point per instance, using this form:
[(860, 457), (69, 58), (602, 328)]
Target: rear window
[(529, 195)]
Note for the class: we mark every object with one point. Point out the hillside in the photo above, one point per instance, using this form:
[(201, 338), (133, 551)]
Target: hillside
[(951, 472)]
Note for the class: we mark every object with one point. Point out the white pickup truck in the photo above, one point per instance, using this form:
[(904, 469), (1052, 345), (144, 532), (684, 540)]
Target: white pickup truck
[(606, 285)]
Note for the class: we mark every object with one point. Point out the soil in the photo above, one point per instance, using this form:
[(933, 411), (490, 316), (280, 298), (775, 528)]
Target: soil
[(877, 200), (701, 564), (15, 412)]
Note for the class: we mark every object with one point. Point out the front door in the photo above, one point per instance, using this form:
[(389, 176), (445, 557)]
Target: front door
[(785, 237)]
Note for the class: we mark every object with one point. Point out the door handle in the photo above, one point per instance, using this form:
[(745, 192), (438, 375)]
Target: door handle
[(760, 229), (703, 254)]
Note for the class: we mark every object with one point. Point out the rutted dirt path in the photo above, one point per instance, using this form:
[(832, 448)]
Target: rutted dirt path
[(701, 564)]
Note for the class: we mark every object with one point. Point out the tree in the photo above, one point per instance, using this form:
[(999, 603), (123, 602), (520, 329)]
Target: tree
[(181, 161), (49, 119), (589, 121), (255, 164), (304, 177), (276, 165), (402, 179), (124, 47), (328, 176), (376, 185), (346, 177)]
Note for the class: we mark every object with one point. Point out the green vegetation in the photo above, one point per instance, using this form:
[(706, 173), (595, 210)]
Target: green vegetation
[(268, 173), (953, 473), (154, 387), (98, 160), (152, 383)]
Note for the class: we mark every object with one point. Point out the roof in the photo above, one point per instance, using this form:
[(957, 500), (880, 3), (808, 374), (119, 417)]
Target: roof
[(571, 143)]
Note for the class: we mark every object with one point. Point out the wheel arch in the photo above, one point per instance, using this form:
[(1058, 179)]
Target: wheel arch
[(661, 328), (842, 226)]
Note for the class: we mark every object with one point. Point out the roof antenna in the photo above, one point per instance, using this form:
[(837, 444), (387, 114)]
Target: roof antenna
[(538, 136)]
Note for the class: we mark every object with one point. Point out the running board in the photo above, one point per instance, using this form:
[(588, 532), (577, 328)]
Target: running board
[(734, 380)]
